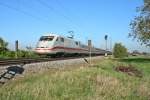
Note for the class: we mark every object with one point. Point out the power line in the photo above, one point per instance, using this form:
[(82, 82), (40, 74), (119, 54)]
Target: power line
[(42, 2), (61, 5), (52, 9), (65, 10), (31, 6), (23, 12), (57, 12), (37, 17)]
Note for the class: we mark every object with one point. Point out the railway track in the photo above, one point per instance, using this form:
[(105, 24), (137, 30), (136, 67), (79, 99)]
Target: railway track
[(5, 62)]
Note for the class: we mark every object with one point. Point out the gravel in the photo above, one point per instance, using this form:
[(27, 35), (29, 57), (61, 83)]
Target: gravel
[(42, 66), (36, 67)]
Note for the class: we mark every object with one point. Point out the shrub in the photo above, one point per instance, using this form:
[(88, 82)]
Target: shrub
[(7, 54), (119, 51), (26, 54), (18, 54), (10, 54)]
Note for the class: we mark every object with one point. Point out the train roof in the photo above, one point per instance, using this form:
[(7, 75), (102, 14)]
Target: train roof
[(50, 34), (54, 34)]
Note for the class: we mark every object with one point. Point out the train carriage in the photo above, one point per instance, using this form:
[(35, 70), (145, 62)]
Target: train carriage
[(53, 44)]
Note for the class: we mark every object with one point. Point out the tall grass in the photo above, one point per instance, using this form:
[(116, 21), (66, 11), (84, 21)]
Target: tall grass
[(97, 82)]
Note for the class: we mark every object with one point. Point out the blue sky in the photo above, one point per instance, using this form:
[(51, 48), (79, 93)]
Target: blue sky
[(27, 20)]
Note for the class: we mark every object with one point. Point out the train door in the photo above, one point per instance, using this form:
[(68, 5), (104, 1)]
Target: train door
[(62, 44)]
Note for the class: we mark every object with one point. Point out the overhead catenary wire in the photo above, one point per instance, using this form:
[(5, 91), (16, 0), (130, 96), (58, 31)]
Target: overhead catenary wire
[(74, 25), (52, 9), (67, 11), (64, 8), (23, 12), (57, 12), (61, 6)]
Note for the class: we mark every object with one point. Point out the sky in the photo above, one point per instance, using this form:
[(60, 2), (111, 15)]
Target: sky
[(27, 20)]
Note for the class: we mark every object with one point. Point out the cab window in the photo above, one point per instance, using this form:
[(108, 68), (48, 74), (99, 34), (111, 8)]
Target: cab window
[(46, 38)]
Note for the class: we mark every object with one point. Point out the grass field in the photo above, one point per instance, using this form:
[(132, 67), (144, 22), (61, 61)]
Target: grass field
[(98, 82)]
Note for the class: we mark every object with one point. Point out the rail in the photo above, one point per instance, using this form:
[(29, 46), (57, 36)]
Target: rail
[(4, 62)]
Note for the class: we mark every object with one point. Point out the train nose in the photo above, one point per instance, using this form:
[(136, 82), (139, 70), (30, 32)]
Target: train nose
[(44, 47), (44, 44)]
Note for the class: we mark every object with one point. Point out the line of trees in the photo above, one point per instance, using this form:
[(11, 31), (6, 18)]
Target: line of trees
[(6, 53)]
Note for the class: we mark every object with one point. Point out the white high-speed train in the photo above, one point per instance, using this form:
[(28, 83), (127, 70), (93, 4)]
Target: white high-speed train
[(55, 44)]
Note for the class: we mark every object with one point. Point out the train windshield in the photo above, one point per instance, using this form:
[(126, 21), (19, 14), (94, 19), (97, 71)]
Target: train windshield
[(46, 38)]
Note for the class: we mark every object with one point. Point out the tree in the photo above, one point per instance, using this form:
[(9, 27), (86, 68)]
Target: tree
[(3, 45), (140, 26), (119, 51)]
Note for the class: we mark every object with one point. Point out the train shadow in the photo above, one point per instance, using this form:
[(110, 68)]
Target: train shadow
[(10, 73)]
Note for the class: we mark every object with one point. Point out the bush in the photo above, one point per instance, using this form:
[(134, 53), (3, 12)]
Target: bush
[(119, 51), (26, 54), (7, 54), (10, 54)]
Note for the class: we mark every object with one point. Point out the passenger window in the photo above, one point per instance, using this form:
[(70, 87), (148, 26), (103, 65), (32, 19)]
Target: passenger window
[(57, 39), (62, 39), (76, 43)]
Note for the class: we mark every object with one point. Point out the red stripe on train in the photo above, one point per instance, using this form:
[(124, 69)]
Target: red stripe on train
[(59, 47)]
